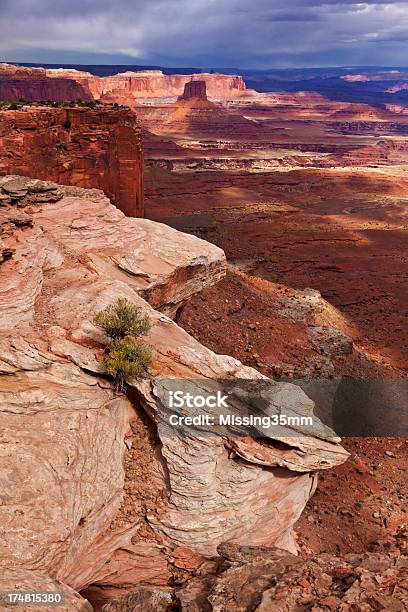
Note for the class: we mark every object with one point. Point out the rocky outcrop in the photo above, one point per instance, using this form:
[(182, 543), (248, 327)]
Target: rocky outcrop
[(270, 580), (193, 115), (103, 493), (262, 579), (156, 84), (88, 147)]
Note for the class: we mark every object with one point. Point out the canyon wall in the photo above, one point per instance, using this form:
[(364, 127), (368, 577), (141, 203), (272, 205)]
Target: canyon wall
[(79, 146)]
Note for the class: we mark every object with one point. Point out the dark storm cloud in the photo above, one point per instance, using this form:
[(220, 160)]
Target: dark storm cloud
[(256, 33)]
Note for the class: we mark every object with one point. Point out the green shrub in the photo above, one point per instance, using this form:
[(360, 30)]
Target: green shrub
[(127, 359), (67, 124), (122, 319)]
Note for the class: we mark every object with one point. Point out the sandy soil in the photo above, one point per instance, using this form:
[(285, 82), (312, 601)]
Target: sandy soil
[(362, 504)]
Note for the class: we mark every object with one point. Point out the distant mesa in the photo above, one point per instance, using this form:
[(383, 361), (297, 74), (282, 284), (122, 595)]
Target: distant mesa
[(69, 84)]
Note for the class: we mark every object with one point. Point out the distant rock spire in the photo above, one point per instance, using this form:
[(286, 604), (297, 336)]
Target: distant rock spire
[(194, 90)]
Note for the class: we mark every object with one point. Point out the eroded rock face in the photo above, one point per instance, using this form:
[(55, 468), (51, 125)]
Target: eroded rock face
[(155, 84), (99, 503), (194, 97), (88, 147)]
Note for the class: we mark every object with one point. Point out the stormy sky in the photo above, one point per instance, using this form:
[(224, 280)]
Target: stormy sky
[(205, 33)]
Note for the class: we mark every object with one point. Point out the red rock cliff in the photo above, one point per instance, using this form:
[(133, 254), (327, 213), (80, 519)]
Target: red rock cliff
[(85, 147)]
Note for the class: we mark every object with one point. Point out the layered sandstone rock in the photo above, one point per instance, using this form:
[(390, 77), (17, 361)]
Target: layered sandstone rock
[(21, 71), (88, 147), (102, 494), (156, 84), (195, 116)]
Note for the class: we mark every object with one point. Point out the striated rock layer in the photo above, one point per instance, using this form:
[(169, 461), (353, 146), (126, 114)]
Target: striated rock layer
[(87, 147), (103, 495)]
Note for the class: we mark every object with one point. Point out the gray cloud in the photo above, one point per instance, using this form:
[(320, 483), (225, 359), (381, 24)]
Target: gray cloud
[(259, 33)]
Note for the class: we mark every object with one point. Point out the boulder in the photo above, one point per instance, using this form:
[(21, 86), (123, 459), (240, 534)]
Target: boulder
[(16, 188)]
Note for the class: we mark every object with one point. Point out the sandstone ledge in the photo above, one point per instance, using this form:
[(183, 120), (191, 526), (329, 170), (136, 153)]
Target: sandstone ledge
[(161, 264)]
